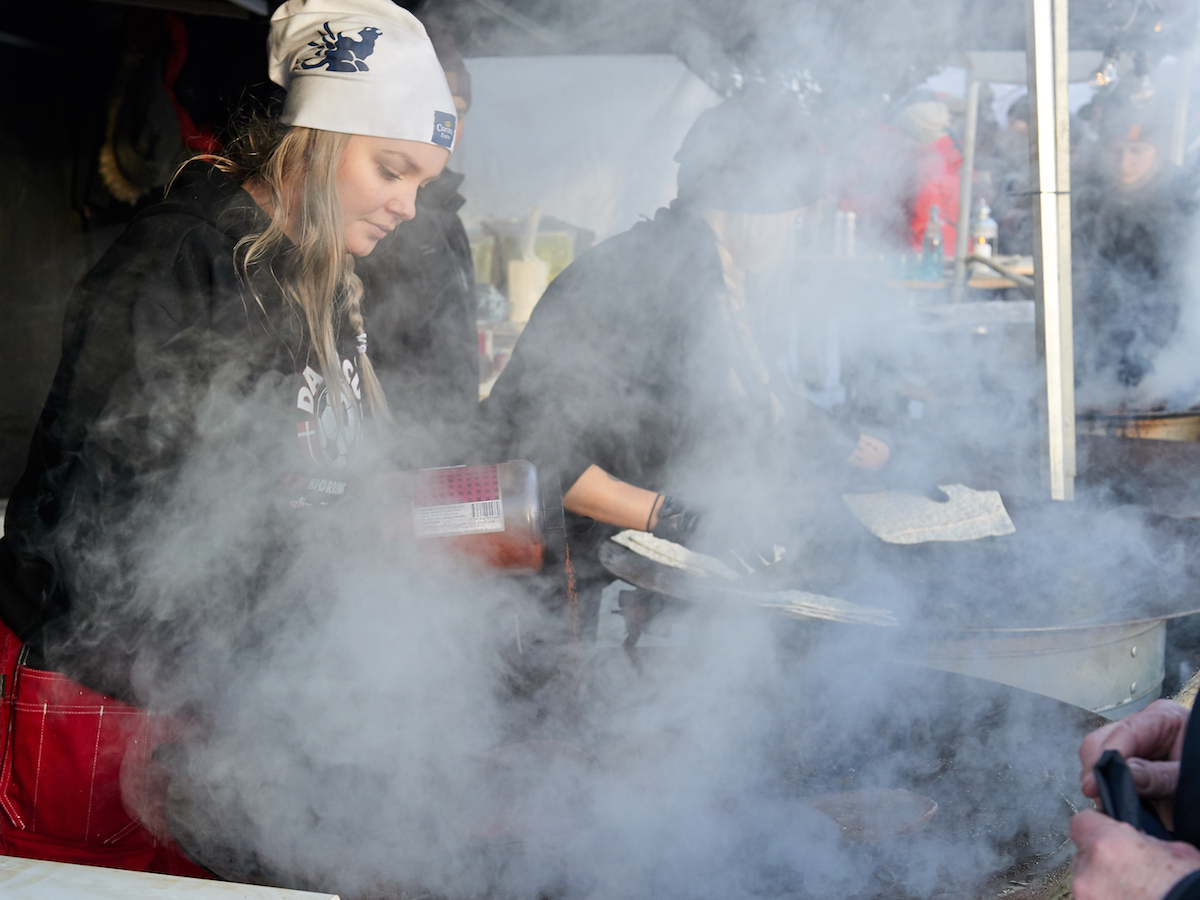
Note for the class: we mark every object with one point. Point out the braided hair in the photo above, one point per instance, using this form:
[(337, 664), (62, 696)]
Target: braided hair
[(297, 166)]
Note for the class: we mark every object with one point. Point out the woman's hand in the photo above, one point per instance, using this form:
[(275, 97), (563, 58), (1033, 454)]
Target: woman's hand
[(870, 453), (1115, 861)]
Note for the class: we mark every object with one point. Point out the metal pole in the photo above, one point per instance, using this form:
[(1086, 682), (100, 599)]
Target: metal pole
[(1066, 296), (1179, 120), (1050, 142), (965, 183), (1183, 92)]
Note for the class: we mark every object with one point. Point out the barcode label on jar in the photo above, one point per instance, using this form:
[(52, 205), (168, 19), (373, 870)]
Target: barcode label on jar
[(480, 517)]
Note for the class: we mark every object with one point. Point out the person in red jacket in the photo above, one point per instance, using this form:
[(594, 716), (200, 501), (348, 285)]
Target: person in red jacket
[(901, 169), (936, 170)]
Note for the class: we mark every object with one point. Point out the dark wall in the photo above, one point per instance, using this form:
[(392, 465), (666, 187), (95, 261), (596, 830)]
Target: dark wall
[(63, 61), (42, 248), (41, 256)]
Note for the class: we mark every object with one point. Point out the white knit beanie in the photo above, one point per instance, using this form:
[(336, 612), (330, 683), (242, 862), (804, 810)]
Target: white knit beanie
[(360, 67), (925, 122)]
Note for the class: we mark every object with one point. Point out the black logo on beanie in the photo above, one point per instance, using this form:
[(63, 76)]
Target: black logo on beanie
[(339, 53), (443, 129)]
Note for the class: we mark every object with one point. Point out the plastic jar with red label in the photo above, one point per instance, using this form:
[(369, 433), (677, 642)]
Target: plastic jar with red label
[(506, 515)]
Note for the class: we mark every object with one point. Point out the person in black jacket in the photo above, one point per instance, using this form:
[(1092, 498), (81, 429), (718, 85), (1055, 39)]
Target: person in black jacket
[(639, 374), (419, 296), (1115, 860), (1131, 224), (214, 386)]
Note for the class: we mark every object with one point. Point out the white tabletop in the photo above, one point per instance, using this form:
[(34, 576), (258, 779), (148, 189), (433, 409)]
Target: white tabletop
[(33, 879)]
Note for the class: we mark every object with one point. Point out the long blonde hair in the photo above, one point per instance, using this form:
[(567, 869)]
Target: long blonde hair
[(298, 166)]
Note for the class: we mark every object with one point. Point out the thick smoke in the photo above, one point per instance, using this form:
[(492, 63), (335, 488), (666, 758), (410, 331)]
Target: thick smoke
[(374, 718), (1173, 382), (378, 722), (1135, 279)]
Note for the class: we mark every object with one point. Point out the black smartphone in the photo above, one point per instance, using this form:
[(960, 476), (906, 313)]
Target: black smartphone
[(1118, 796)]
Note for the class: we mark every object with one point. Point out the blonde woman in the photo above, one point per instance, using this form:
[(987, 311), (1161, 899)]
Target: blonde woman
[(233, 308)]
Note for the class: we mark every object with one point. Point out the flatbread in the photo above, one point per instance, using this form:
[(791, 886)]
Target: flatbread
[(900, 518), (677, 556), (803, 605), (793, 603)]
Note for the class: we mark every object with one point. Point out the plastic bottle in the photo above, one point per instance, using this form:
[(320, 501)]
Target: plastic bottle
[(508, 515), (931, 246), (984, 231)]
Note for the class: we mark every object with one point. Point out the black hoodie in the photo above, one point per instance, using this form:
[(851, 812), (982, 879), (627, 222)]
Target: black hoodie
[(631, 362), (165, 351)]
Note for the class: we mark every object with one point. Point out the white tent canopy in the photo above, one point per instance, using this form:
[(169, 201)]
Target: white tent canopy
[(588, 139)]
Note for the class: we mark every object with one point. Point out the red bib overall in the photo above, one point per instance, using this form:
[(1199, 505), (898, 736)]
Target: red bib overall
[(73, 763)]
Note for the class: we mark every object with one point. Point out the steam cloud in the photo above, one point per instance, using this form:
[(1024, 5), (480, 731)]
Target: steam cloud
[(358, 701)]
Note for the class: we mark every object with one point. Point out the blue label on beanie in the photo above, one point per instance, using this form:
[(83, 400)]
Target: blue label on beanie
[(339, 53), (443, 129)]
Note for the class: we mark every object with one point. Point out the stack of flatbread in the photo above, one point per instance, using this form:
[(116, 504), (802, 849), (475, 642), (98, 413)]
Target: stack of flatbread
[(796, 604), (677, 556), (803, 605)]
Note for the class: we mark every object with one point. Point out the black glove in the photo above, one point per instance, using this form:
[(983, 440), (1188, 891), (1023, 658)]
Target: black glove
[(676, 522)]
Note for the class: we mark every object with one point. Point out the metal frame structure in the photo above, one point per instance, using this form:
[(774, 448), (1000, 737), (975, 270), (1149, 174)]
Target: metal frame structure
[(1050, 144), (961, 245)]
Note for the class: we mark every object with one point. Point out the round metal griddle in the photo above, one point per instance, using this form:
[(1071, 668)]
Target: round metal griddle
[(999, 763), (1073, 605), (645, 573), (1067, 567)]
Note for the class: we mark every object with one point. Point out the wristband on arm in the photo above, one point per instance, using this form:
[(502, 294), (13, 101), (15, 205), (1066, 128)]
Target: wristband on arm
[(653, 506)]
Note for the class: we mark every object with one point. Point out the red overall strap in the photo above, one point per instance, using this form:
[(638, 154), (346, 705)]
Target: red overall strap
[(76, 773)]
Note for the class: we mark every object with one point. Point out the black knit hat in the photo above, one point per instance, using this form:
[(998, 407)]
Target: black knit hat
[(446, 49), (1125, 120), (1018, 110), (753, 153)]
